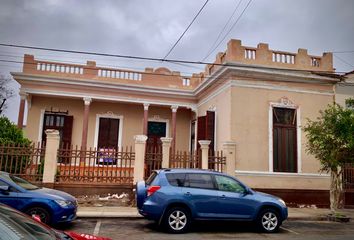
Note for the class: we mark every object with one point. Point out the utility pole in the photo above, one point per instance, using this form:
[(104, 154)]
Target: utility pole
[(2, 104)]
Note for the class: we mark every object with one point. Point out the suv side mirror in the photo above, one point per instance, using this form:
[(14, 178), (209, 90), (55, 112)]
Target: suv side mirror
[(247, 191), (4, 190)]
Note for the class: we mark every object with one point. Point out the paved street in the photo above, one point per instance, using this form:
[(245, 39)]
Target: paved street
[(120, 228)]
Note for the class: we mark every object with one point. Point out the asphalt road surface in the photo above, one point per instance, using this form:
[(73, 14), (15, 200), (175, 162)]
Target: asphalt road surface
[(131, 229)]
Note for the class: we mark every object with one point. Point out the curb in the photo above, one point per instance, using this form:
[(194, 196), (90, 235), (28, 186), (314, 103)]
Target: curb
[(133, 216), (108, 215)]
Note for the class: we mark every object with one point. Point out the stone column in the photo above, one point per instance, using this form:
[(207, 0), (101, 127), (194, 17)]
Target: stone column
[(204, 146), (174, 116), (50, 158), (140, 142), (166, 145), (230, 154), (87, 102), (21, 112), (145, 121)]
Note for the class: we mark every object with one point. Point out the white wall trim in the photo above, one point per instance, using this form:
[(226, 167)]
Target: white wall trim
[(105, 84), (120, 129), (298, 132), (249, 84), (280, 174), (214, 94), (167, 121), (40, 128), (108, 98)]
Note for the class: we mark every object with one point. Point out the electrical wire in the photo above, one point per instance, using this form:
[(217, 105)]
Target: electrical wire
[(98, 65), (155, 59), (237, 20), (342, 60), (344, 51), (195, 17), (222, 30)]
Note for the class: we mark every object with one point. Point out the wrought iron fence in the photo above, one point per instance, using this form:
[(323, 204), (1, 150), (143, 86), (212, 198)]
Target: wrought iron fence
[(153, 159), (184, 159), (104, 165), (216, 161), (348, 176), (23, 160)]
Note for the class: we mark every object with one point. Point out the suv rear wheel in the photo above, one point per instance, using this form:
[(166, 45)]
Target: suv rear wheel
[(268, 221), (177, 220)]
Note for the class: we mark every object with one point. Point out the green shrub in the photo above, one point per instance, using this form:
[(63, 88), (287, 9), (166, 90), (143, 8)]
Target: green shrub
[(15, 149)]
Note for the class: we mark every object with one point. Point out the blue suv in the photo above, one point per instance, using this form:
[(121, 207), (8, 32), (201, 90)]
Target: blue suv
[(176, 197)]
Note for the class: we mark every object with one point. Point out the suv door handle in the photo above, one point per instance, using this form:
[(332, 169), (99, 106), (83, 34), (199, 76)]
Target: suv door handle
[(188, 194), (223, 196)]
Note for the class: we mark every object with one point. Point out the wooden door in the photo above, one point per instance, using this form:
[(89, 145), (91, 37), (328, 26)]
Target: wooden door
[(284, 140), (156, 130), (108, 133), (206, 129), (62, 123)]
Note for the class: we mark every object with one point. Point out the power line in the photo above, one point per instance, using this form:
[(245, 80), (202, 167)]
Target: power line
[(344, 51), (155, 59), (342, 60), (102, 54), (249, 2), (222, 30), (98, 65), (205, 78), (195, 17)]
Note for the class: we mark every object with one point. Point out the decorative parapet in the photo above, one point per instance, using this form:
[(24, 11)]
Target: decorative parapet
[(160, 77), (262, 55)]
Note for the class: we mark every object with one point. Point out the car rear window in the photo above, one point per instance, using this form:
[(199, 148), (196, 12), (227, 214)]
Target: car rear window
[(151, 178), (196, 180), (176, 179)]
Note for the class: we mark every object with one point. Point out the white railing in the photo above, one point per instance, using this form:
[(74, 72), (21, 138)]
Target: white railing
[(120, 74), (315, 62), (186, 82), (59, 68), (250, 53), (283, 57)]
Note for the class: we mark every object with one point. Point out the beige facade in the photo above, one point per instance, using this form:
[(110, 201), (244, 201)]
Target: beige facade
[(242, 89), (345, 89)]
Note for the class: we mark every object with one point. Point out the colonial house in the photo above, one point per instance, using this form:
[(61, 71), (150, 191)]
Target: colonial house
[(256, 98)]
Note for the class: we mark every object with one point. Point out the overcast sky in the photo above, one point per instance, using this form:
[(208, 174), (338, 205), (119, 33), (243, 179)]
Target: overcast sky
[(149, 28)]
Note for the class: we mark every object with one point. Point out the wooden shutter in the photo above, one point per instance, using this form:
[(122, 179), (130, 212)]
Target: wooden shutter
[(210, 129), (67, 131), (201, 130)]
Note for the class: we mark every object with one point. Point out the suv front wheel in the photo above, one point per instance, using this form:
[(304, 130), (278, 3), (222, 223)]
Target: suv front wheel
[(268, 221), (177, 220)]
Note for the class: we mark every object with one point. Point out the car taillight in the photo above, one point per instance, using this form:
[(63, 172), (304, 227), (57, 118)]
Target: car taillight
[(152, 189)]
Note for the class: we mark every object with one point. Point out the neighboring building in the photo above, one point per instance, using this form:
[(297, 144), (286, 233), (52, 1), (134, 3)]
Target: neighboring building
[(345, 90), (255, 97)]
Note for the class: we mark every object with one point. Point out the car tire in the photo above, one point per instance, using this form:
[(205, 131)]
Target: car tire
[(41, 212), (177, 220), (268, 221)]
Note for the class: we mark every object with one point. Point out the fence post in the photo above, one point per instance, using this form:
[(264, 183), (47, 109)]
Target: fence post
[(50, 158), (140, 141), (166, 145), (230, 154), (204, 145)]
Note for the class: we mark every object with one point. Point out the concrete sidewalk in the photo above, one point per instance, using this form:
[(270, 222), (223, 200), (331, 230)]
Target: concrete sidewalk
[(304, 214)]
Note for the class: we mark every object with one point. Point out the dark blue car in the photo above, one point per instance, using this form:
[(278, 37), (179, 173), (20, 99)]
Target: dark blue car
[(175, 197), (52, 206)]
